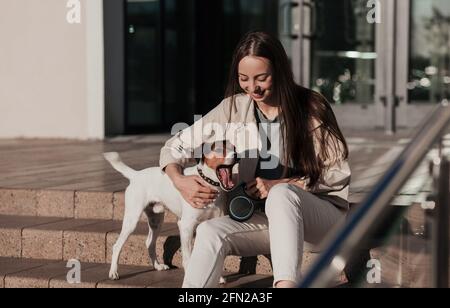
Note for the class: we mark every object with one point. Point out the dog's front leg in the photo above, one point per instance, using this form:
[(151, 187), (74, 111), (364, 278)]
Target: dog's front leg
[(186, 237)]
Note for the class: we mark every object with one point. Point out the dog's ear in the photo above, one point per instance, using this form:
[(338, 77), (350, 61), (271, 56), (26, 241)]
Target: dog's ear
[(209, 147), (205, 150), (202, 150), (214, 146)]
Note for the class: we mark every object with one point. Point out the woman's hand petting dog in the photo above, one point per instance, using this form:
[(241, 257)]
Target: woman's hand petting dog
[(195, 191), (260, 188)]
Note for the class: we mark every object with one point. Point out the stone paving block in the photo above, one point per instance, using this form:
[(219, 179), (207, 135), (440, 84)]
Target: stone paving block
[(135, 251), (46, 241), (33, 273), (54, 203), (94, 205), (91, 274), (136, 277), (88, 243), (36, 277), (42, 276), (18, 202), (15, 265), (11, 231), (409, 267), (10, 242)]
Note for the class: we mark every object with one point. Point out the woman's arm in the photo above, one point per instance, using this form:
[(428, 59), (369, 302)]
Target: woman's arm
[(174, 172), (179, 149), (334, 181), (336, 173)]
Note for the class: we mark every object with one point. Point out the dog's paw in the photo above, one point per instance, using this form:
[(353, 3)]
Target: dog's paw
[(222, 280), (114, 276), (161, 267)]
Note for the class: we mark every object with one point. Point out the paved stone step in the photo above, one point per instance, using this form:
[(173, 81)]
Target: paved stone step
[(92, 240), (103, 205), (66, 204), (35, 273), (406, 261)]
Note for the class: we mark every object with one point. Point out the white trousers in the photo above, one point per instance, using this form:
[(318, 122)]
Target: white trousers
[(292, 216)]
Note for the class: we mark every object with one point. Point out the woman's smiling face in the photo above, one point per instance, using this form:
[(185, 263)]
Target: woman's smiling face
[(255, 77)]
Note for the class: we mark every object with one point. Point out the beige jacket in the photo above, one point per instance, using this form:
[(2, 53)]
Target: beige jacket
[(180, 149)]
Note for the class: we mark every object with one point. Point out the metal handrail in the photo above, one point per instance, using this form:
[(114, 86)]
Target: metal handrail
[(440, 218), (360, 225)]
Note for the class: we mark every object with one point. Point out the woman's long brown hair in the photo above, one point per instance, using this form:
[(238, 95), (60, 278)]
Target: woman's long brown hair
[(298, 107)]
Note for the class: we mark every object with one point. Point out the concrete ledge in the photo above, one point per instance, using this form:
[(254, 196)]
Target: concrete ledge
[(135, 252), (92, 240), (15, 265), (55, 203), (18, 202), (93, 205), (11, 232), (31, 273), (46, 241)]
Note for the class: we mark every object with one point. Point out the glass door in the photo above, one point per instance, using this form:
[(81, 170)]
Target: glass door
[(338, 50), (159, 65), (420, 66), (388, 74), (343, 52), (144, 107), (429, 70), (178, 54), (425, 75), (220, 24)]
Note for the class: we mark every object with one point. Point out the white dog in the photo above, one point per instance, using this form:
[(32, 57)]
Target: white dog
[(151, 189)]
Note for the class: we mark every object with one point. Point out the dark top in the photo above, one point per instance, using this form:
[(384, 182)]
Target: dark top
[(269, 165)]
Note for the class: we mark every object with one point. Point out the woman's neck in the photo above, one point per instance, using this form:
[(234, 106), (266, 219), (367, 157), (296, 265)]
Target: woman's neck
[(271, 111)]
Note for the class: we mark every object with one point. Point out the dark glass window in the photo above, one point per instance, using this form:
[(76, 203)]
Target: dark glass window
[(343, 53), (178, 55), (429, 72)]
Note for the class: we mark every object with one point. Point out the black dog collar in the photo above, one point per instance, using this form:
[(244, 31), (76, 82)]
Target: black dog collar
[(208, 180)]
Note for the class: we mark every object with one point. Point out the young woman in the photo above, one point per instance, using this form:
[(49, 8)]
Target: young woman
[(306, 191)]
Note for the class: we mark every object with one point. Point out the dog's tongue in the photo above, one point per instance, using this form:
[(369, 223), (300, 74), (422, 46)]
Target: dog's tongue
[(226, 178)]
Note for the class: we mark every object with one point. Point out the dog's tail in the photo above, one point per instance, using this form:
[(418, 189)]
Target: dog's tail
[(116, 162)]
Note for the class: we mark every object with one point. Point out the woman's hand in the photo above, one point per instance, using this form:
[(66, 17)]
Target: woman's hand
[(195, 191), (192, 188), (260, 188)]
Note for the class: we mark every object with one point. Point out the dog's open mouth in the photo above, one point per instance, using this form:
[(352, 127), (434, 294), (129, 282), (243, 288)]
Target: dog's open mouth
[(224, 174)]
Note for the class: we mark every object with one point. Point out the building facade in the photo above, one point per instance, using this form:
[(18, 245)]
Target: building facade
[(140, 66)]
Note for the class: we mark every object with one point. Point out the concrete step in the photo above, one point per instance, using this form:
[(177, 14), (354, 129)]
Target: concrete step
[(35, 273), (90, 240), (106, 205), (406, 261), (66, 204)]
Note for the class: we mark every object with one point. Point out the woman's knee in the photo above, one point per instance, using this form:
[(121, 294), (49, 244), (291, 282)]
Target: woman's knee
[(209, 234), (282, 196)]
